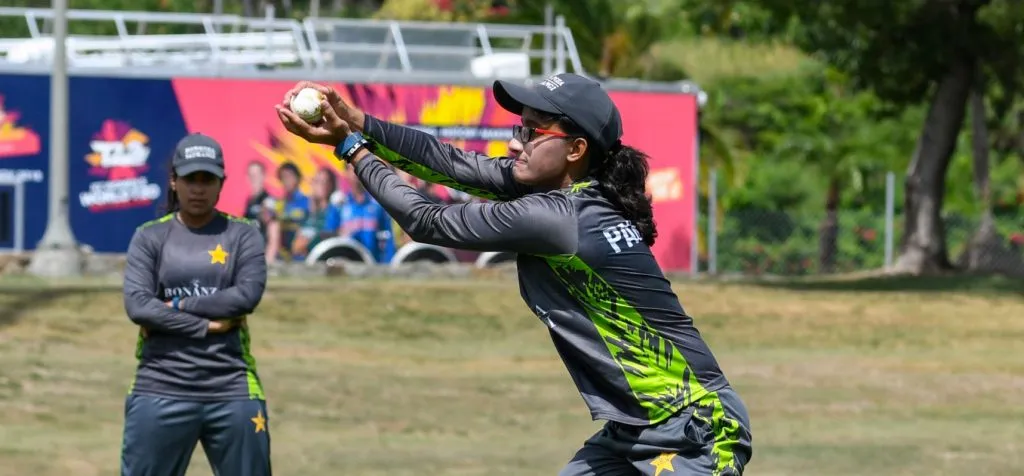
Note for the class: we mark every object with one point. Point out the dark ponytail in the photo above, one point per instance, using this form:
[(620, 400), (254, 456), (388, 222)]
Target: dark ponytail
[(172, 205), (622, 178)]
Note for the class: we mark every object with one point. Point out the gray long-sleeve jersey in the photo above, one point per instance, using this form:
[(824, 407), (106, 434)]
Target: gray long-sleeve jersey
[(584, 270), (217, 272)]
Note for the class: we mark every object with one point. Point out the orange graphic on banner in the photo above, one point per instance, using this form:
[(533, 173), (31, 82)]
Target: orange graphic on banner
[(309, 158), (15, 141), (665, 185)]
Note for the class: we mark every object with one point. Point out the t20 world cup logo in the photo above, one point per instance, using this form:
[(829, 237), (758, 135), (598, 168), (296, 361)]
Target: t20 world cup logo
[(120, 158)]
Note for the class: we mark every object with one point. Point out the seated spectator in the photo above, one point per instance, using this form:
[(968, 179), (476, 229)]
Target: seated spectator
[(256, 203), (286, 215), (324, 218), (365, 221)]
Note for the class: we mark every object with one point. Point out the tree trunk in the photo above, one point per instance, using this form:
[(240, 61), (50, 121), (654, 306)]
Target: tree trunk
[(923, 245), (986, 252), (828, 234)]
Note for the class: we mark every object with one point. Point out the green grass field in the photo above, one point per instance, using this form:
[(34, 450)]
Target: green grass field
[(411, 378)]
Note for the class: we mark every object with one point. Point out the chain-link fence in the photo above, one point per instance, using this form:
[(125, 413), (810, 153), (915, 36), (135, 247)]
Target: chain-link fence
[(787, 243)]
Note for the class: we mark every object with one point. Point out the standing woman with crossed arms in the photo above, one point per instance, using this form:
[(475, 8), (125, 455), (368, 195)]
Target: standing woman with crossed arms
[(572, 204), (191, 278)]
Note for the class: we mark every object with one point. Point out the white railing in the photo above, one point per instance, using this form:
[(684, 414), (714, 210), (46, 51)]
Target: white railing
[(203, 41), (211, 40)]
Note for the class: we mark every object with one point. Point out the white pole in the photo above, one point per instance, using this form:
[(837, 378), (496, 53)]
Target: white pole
[(890, 210), (57, 254), (713, 222)]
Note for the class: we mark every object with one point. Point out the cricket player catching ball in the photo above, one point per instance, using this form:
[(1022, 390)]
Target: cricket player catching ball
[(571, 203)]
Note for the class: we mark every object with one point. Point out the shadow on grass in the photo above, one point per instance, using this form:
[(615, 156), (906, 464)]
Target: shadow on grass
[(923, 284), (18, 301)]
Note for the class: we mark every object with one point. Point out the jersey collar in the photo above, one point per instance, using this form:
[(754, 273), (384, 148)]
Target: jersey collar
[(580, 185)]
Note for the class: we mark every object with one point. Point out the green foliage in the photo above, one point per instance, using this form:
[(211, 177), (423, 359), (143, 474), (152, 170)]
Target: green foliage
[(798, 132), (723, 19), (781, 243), (760, 242), (462, 11), (706, 60), (1006, 175), (897, 49), (613, 38)]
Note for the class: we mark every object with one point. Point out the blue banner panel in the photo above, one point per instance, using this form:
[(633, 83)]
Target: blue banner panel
[(123, 133), (24, 156)]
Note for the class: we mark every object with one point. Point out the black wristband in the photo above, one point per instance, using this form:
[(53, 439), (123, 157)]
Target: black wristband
[(348, 148)]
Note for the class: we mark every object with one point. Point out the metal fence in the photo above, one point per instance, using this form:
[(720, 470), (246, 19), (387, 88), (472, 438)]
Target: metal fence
[(791, 243), (188, 42)]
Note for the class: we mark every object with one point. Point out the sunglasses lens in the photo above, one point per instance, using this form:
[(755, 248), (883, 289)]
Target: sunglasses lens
[(522, 133)]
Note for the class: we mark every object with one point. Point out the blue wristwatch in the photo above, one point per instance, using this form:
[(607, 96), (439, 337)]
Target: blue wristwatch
[(348, 148), (174, 302)]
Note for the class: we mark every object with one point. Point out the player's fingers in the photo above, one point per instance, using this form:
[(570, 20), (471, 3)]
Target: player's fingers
[(331, 117), (289, 117), (323, 89), (333, 97), (289, 94), (290, 124), (294, 124), (299, 86), (335, 127)]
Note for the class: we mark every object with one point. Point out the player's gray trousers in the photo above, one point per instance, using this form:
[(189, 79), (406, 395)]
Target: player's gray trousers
[(160, 435), (710, 438)]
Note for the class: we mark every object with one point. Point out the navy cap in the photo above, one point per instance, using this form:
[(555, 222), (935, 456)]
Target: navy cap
[(198, 153), (582, 100)]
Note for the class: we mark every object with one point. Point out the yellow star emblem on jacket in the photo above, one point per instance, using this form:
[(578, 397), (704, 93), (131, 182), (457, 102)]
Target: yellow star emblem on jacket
[(259, 421), (663, 463), (218, 255)]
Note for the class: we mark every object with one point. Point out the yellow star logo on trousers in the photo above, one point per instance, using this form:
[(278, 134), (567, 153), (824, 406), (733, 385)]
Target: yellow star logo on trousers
[(218, 255), (259, 421), (663, 463)]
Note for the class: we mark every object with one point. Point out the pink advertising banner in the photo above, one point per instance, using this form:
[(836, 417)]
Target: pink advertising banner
[(240, 114)]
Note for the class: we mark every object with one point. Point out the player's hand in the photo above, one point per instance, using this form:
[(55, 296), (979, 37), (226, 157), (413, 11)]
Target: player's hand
[(335, 125), (219, 327), (346, 112)]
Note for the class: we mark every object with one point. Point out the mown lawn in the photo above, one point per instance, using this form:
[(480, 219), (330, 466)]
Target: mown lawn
[(458, 378)]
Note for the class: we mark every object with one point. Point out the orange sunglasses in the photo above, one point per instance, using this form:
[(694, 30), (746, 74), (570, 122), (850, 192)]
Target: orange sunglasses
[(526, 134)]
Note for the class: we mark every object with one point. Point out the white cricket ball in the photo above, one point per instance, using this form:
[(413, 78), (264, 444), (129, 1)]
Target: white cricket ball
[(306, 104)]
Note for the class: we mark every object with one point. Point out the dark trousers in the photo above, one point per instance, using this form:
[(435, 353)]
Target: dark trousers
[(710, 438), (160, 435)]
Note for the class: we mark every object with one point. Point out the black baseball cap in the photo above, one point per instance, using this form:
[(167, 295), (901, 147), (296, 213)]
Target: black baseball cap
[(580, 99), (198, 153)]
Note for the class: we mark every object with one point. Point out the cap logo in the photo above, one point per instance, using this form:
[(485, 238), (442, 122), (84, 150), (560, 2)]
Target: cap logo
[(200, 152), (552, 83)]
